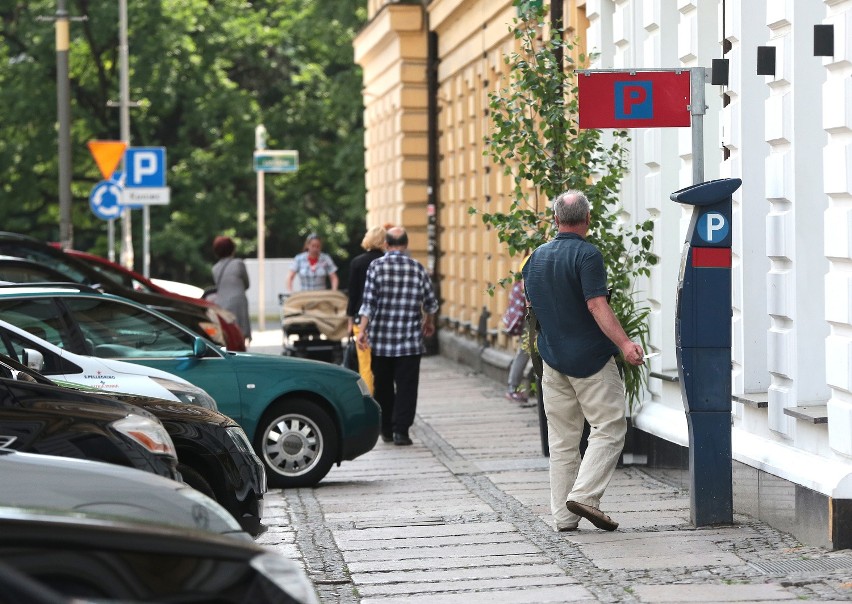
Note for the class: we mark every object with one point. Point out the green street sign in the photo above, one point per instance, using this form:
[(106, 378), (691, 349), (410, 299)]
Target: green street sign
[(276, 161)]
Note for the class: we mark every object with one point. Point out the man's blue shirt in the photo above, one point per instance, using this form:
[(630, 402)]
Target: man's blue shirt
[(560, 277)]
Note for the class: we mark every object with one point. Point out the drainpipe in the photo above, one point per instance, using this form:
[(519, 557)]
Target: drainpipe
[(433, 250)]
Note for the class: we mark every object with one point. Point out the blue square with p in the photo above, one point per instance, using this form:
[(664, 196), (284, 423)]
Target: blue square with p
[(634, 100)]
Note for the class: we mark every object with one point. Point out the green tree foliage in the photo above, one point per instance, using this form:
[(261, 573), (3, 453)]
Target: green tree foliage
[(204, 74), (536, 139)]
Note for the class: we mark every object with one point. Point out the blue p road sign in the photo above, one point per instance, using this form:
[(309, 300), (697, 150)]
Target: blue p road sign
[(104, 200), (145, 167)]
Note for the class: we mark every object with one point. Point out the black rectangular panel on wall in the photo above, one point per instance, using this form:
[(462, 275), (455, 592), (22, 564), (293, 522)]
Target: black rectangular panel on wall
[(766, 60), (823, 40), (719, 73)]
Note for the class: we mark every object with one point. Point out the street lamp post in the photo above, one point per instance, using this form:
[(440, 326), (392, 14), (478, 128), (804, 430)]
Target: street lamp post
[(260, 145), (63, 102)]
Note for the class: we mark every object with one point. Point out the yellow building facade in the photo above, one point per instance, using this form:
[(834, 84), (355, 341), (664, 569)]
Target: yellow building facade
[(428, 69)]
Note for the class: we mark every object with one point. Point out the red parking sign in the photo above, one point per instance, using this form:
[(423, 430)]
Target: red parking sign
[(634, 98)]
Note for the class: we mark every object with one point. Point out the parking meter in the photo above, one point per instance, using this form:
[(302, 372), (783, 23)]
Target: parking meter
[(703, 341)]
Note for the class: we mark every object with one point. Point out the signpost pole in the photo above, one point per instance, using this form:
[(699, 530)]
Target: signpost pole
[(260, 145), (698, 106), (124, 124), (66, 229)]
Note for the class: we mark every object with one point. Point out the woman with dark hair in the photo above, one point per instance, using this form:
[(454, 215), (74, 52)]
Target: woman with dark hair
[(313, 267), (232, 282)]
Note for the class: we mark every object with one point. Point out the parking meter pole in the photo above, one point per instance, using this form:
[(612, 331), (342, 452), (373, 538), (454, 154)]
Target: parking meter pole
[(703, 345)]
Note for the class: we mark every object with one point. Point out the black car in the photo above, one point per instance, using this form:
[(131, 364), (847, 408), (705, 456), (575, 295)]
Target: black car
[(214, 454), (88, 557), (40, 418), (20, 246)]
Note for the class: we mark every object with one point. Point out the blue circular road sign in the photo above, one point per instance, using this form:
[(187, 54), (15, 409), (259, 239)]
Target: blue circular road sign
[(104, 200)]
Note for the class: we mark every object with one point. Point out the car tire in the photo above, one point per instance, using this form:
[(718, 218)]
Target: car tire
[(297, 442), (196, 481)]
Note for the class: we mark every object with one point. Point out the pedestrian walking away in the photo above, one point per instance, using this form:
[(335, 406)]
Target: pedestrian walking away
[(578, 340), (397, 311), (315, 268), (232, 281), (374, 244), (513, 322)]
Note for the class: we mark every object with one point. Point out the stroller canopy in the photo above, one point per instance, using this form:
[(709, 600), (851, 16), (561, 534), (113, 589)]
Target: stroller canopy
[(323, 310)]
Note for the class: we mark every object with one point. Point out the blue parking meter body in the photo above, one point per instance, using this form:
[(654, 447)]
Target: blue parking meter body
[(703, 341)]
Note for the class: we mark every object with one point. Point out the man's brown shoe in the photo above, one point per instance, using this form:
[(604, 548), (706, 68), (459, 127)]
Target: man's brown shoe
[(593, 515)]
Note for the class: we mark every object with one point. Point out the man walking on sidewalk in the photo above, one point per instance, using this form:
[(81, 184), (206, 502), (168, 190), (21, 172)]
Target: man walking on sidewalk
[(579, 338), (398, 309)]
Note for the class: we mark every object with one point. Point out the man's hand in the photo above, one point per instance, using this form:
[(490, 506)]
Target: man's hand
[(428, 325), (362, 341), (633, 353)]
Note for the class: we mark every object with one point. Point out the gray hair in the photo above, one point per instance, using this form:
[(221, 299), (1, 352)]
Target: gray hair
[(571, 207)]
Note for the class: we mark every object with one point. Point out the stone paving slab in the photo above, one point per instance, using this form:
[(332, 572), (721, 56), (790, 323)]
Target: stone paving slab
[(422, 552), (347, 537), (541, 595), (522, 572), (475, 585), (446, 563), (382, 545), (712, 593)]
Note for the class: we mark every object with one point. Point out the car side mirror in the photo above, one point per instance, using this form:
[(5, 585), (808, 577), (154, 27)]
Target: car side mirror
[(32, 359), (199, 347)]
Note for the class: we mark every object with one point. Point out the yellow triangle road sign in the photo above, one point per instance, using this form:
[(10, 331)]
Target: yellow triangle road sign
[(107, 155)]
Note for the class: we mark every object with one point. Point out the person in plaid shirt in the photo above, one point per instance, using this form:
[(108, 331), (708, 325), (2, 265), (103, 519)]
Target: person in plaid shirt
[(397, 310)]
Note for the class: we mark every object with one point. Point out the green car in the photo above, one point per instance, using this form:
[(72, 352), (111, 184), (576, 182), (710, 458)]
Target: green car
[(302, 416)]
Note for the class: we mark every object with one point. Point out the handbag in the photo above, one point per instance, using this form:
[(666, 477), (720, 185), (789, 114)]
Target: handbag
[(513, 318), (350, 355)]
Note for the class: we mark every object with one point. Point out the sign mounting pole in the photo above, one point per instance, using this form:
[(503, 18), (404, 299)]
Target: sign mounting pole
[(697, 108)]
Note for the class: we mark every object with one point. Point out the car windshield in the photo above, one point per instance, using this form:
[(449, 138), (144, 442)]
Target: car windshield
[(116, 330), (110, 328)]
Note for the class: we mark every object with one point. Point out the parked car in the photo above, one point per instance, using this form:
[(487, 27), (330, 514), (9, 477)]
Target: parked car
[(87, 557), (102, 374), (204, 322), (19, 270), (131, 279), (36, 418), (63, 484), (302, 416), (214, 454)]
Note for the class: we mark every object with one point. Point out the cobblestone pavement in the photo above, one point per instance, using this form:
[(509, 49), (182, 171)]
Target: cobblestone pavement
[(463, 516)]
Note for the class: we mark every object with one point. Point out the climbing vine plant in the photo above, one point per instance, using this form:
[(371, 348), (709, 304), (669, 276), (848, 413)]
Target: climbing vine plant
[(536, 140)]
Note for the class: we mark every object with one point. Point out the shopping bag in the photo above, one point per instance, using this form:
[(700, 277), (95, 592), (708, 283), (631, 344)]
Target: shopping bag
[(350, 355)]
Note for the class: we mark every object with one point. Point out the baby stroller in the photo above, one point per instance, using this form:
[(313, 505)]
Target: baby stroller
[(314, 324)]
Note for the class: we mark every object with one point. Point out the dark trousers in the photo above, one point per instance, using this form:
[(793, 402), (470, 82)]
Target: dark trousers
[(396, 381)]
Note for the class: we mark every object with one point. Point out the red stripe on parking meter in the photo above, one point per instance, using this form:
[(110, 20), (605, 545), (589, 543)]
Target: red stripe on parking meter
[(711, 257)]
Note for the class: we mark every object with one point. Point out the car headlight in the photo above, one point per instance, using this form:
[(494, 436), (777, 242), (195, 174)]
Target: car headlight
[(242, 442), (147, 432), (240, 439), (188, 393), (287, 575), (362, 386)]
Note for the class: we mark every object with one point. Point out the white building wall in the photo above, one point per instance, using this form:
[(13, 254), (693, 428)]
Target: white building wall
[(789, 137), (837, 187)]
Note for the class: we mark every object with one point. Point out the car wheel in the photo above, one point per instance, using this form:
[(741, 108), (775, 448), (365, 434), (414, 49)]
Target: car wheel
[(297, 442), (196, 481)]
